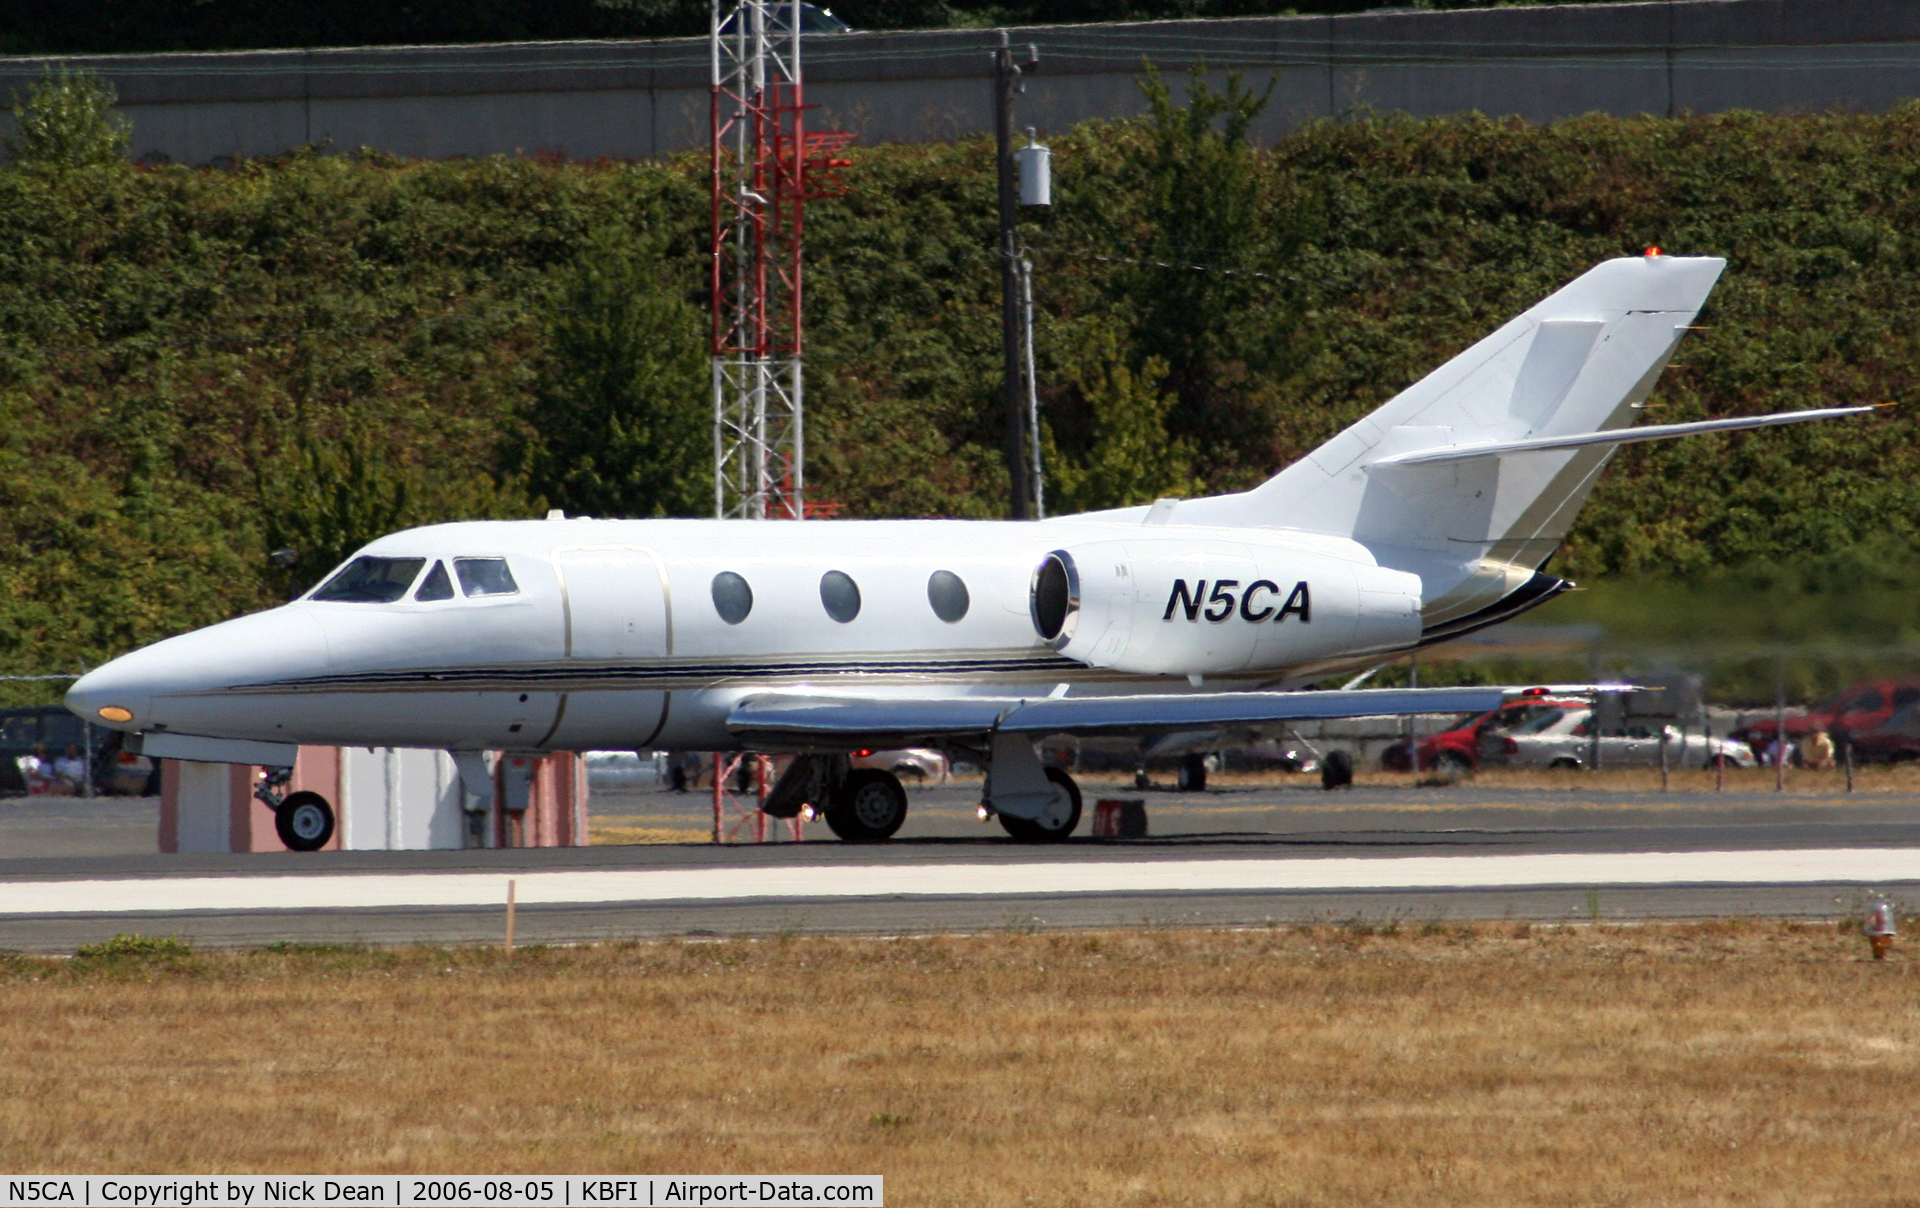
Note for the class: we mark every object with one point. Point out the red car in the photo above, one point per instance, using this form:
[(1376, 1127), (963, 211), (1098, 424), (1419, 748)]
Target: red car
[(1458, 747), (1877, 716)]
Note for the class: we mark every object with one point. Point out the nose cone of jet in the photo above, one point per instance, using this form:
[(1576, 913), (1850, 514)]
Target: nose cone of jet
[(116, 695), (139, 690)]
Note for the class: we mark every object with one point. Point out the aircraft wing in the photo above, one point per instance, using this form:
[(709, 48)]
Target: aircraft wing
[(783, 720)]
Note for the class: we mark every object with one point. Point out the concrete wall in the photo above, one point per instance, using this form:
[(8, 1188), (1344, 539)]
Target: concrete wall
[(644, 99)]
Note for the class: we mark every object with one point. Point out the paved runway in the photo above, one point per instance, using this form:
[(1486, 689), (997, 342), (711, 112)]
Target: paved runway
[(1233, 857)]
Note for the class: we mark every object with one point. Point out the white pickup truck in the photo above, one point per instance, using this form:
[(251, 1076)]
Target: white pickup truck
[(1564, 739)]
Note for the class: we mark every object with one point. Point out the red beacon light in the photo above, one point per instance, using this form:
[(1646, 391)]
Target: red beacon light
[(1653, 251)]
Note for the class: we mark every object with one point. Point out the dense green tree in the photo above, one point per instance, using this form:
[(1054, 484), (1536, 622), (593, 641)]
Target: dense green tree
[(66, 120), (1130, 458), (321, 500), (1210, 258), (619, 421), (169, 337)]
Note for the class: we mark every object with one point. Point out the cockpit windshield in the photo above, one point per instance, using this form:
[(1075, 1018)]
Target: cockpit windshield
[(371, 581)]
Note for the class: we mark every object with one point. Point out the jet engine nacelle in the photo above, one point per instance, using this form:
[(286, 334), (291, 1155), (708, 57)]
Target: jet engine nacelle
[(1162, 606)]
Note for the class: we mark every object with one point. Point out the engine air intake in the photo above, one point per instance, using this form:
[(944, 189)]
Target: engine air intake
[(1055, 598)]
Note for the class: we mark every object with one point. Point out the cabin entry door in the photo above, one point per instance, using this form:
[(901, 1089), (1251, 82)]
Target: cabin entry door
[(618, 639)]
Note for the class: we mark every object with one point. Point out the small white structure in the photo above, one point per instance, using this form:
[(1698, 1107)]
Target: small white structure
[(398, 799)]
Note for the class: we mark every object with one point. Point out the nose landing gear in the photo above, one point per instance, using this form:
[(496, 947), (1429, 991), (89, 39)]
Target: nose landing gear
[(304, 821)]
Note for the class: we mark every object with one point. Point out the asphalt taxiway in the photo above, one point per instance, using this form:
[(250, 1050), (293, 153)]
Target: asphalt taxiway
[(1249, 857)]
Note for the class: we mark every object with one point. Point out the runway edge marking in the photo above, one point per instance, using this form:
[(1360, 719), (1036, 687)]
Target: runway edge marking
[(347, 891)]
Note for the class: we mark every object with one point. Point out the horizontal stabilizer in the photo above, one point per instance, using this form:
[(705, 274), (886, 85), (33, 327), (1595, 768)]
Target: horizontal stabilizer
[(1618, 436), (790, 720)]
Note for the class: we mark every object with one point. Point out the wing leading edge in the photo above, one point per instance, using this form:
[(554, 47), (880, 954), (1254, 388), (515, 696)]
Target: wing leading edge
[(781, 720)]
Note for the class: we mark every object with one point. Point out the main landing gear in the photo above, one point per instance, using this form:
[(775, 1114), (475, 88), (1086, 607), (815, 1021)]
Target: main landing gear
[(861, 805), (1035, 804), (868, 806), (1056, 818)]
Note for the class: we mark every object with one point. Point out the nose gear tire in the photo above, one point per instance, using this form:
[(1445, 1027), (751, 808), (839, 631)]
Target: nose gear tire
[(869, 806), (1059, 819), (304, 822)]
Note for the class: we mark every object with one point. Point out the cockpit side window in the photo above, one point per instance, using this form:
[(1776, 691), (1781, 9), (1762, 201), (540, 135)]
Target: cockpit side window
[(485, 576), (371, 581), (436, 586)]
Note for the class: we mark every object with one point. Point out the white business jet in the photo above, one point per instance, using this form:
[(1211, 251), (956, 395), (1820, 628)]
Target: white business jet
[(1426, 520)]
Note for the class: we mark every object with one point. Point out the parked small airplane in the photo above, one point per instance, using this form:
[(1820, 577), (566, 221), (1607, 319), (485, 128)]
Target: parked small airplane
[(1426, 520)]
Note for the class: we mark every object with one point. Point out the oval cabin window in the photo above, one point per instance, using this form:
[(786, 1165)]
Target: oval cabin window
[(947, 592), (732, 598), (840, 595)]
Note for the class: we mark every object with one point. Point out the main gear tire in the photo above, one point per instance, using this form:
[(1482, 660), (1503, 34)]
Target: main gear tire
[(868, 807), (1057, 821)]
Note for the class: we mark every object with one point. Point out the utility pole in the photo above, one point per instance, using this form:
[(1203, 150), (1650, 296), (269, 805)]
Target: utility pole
[(1033, 389), (1006, 80)]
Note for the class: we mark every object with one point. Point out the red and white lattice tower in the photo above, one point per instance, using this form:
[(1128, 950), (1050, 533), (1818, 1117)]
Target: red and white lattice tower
[(765, 166)]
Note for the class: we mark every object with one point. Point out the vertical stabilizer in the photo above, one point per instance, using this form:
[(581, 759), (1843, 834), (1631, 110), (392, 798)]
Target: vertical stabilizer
[(1478, 528)]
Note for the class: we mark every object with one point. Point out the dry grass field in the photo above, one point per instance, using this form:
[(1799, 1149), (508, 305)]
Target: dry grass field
[(1736, 1063), (620, 831)]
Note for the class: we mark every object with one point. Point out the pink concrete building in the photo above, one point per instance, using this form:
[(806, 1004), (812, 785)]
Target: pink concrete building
[(384, 798)]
